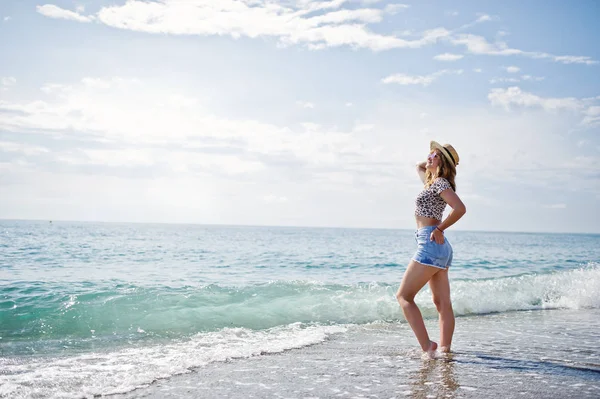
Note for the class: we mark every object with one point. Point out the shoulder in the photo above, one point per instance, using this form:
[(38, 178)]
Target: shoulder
[(441, 184)]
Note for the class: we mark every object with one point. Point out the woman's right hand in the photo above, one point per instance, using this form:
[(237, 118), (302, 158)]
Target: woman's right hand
[(421, 171)]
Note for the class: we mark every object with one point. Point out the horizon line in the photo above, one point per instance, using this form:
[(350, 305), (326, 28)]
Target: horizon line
[(284, 226)]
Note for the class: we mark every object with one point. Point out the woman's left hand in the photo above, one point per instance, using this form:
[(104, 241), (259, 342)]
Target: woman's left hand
[(437, 236)]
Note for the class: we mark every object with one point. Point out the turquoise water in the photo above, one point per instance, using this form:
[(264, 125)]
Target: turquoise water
[(89, 308)]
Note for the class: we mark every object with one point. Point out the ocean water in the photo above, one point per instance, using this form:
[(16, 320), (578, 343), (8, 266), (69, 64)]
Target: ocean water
[(92, 309)]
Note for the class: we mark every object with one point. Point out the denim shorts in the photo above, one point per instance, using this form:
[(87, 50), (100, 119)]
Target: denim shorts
[(431, 253)]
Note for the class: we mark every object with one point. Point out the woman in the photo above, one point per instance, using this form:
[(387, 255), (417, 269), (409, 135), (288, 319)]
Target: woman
[(434, 253)]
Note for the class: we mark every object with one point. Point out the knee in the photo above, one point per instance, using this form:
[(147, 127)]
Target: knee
[(442, 304), (404, 299)]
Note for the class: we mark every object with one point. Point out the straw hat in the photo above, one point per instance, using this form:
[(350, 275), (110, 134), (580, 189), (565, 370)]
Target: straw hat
[(446, 149)]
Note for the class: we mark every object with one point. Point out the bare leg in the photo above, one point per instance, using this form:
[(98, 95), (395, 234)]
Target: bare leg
[(415, 277), (440, 288)]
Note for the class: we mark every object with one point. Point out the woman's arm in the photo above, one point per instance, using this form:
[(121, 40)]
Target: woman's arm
[(458, 210), (421, 170)]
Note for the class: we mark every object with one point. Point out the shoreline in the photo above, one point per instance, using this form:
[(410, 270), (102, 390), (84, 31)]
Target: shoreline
[(540, 354)]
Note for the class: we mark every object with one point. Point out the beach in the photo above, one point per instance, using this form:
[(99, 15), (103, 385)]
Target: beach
[(533, 354)]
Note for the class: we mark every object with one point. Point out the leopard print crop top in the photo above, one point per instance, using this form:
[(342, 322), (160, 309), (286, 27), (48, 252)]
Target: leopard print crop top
[(429, 202)]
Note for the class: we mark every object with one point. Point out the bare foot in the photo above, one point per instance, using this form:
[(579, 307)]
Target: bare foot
[(432, 348), (445, 349)]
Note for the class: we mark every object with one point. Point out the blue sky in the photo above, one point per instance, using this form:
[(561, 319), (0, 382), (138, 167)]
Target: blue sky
[(299, 112)]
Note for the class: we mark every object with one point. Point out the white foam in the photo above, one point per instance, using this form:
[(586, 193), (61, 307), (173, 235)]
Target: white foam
[(122, 371), (574, 289)]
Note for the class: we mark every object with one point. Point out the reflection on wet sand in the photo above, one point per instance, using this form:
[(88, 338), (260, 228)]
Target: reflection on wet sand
[(435, 378)]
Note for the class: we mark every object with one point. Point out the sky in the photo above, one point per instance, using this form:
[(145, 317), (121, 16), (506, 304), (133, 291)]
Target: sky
[(299, 112)]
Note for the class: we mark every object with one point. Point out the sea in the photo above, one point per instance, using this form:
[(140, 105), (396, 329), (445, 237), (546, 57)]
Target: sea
[(90, 309)]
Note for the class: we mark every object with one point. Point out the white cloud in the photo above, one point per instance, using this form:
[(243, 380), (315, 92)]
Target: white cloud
[(305, 104), (368, 2), (533, 78), (52, 11), (564, 59), (133, 115), (479, 45), (504, 80), (7, 18), (349, 104), (477, 70), (22, 148), (448, 57), (8, 81), (290, 23), (452, 13), (567, 59), (395, 8), (512, 69), (480, 19), (527, 78), (592, 116), (425, 80), (515, 96)]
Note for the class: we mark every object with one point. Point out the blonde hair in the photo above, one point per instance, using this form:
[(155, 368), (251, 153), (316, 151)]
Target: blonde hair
[(446, 170)]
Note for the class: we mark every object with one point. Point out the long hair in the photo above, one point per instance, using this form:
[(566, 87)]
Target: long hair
[(446, 170)]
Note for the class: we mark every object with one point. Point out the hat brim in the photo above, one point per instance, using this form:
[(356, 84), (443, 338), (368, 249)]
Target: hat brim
[(434, 145)]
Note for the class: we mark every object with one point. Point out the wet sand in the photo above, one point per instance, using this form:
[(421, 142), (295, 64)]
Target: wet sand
[(534, 354)]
